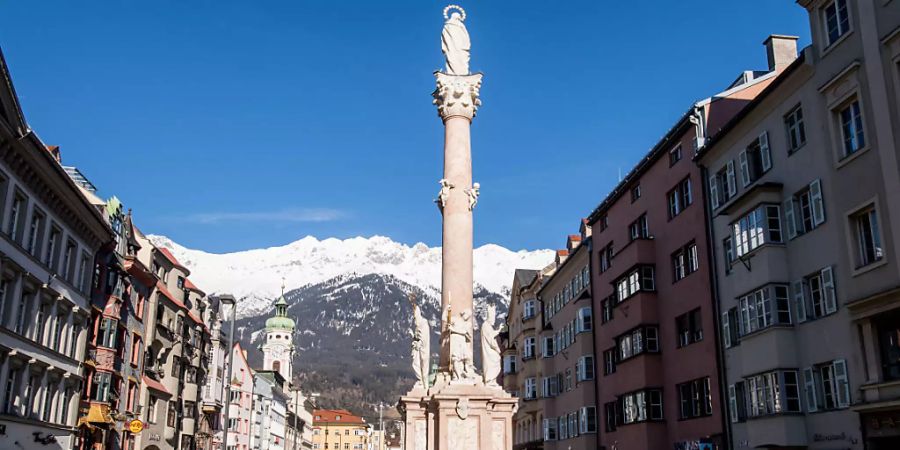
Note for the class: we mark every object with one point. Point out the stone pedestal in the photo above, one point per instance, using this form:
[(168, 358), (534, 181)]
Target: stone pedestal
[(458, 416)]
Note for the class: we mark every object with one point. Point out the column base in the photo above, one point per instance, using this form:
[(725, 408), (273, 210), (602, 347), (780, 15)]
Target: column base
[(458, 416)]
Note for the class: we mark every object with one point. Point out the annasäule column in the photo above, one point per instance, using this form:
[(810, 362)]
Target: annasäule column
[(457, 100)]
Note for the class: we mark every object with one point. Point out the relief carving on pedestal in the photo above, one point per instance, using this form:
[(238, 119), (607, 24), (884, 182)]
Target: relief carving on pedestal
[(462, 434)]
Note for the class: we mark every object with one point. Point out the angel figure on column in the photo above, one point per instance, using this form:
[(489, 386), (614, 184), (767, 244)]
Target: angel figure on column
[(473, 194), (444, 193)]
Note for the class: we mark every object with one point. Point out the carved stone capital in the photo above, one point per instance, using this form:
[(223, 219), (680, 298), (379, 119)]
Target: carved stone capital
[(457, 95)]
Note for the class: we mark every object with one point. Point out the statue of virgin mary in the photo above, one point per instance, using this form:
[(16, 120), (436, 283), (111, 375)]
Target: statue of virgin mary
[(455, 41)]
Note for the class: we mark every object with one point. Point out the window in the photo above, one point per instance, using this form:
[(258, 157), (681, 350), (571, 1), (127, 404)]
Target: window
[(826, 386), (108, 333), (233, 424), (550, 386), (83, 280), (68, 268), (756, 159), (637, 341), (606, 255), (695, 398), (530, 388), (568, 380), (728, 250), (604, 222), (722, 185), (529, 308), (772, 393), (680, 197), (685, 261), (10, 391), (763, 308), (529, 348), (547, 349), (611, 416), (609, 361), (689, 327), (585, 368), (757, 228), (52, 245), (674, 155), (584, 320), (16, 215), (100, 385), (21, 318), (549, 429), (607, 308), (853, 134), (837, 20), (641, 406), (638, 229), (639, 279), (509, 364), (635, 193), (814, 295), (152, 404), (796, 131), (737, 404), (33, 244), (805, 210), (868, 237)]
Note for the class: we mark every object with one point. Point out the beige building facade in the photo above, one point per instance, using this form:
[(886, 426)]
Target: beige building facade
[(805, 216), (567, 386)]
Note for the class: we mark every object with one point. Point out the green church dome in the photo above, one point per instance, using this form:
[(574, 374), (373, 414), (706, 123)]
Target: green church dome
[(280, 321)]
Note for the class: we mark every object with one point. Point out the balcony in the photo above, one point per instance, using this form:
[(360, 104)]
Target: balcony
[(638, 251)]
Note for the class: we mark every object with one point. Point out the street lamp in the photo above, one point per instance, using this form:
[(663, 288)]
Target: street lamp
[(228, 300)]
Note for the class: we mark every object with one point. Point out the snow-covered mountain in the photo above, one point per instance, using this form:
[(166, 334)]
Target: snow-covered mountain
[(255, 276)]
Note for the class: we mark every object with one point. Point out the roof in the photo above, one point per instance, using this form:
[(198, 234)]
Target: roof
[(165, 291), (562, 253), (336, 416), (525, 276), (188, 284), (575, 237), (750, 107), (168, 254), (155, 385)]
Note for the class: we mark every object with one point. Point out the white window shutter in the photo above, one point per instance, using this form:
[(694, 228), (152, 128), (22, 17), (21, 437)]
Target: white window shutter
[(799, 300), (841, 383), (764, 152), (828, 288), (789, 218), (745, 168), (714, 191), (732, 184), (809, 383), (818, 205), (726, 330)]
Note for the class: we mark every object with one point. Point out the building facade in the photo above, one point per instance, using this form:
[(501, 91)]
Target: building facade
[(806, 249), (521, 368), (269, 415), (567, 391), (209, 434), (49, 234), (240, 401), (657, 319), (339, 429)]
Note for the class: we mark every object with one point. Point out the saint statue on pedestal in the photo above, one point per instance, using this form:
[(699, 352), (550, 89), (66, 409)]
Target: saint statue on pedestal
[(455, 41), (421, 345), (490, 348), (460, 330)]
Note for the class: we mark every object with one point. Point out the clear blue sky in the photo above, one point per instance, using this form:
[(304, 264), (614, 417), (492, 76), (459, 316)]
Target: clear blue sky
[(239, 124)]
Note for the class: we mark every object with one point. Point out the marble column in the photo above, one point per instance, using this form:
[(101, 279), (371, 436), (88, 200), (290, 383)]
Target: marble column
[(456, 98)]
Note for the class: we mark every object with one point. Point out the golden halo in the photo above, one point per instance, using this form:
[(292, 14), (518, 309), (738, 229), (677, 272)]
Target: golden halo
[(462, 12)]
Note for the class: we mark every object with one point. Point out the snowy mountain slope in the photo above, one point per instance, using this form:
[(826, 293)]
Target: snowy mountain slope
[(255, 276)]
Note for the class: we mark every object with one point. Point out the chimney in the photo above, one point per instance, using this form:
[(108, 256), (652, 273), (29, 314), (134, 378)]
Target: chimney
[(54, 150), (781, 51)]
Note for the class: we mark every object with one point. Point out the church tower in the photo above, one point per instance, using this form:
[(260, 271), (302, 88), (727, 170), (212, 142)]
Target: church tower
[(278, 351)]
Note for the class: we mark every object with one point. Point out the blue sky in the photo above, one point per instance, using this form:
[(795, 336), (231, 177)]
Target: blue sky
[(229, 125)]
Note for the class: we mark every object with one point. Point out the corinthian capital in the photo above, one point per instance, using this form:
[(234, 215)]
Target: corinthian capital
[(457, 95)]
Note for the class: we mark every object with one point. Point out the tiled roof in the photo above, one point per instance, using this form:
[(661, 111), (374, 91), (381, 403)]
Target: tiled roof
[(562, 253), (165, 291), (170, 257), (155, 385), (188, 284), (336, 416)]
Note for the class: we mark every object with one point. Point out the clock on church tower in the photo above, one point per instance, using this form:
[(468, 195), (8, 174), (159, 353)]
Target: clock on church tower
[(278, 350)]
